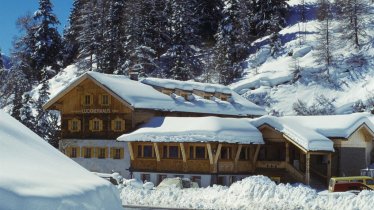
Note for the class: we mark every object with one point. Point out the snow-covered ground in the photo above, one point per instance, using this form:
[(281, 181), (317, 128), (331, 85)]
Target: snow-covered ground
[(256, 192), (269, 80), (34, 175)]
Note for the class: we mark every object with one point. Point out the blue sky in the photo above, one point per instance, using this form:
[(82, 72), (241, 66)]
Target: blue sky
[(10, 10)]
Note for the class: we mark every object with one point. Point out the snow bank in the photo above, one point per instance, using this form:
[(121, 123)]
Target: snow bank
[(196, 129), (256, 192), (34, 175)]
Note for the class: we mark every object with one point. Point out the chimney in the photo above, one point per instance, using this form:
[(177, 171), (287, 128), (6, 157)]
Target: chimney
[(134, 75)]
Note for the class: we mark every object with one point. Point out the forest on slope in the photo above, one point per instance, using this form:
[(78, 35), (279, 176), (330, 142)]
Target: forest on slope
[(219, 41)]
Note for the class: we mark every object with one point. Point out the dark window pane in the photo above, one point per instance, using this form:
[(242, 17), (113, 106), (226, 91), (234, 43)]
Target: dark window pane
[(200, 152), (243, 155), (165, 152), (147, 151), (173, 152), (191, 152), (140, 151)]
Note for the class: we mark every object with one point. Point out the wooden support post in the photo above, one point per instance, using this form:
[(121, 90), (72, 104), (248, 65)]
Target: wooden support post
[(237, 157), (183, 152), (255, 157), (328, 167), (157, 152), (218, 153), (131, 151), (287, 152), (307, 169), (210, 154)]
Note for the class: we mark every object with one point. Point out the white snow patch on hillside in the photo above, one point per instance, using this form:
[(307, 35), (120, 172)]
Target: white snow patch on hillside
[(34, 175), (271, 81), (256, 192)]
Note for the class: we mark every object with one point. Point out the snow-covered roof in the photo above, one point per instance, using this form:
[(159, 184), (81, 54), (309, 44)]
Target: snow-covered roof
[(313, 132), (196, 129), (187, 85), (34, 175), (142, 96)]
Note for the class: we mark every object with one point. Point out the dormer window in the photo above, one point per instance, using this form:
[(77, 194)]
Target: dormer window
[(207, 97), (105, 100), (87, 100), (223, 98)]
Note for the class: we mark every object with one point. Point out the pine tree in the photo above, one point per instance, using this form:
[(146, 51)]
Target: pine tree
[(324, 48), (351, 20), (27, 117), (113, 37), (71, 33), (184, 65), (231, 46), (47, 41)]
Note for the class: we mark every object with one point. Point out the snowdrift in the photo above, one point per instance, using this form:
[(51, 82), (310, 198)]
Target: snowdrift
[(256, 192), (34, 175)]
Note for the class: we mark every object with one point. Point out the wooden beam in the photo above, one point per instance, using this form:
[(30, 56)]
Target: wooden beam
[(237, 157), (210, 154), (238, 153), (296, 144), (254, 160), (218, 153), (307, 169), (329, 167), (157, 152), (183, 152), (287, 152), (131, 151)]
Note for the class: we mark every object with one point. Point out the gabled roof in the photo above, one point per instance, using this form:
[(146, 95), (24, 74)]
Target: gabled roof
[(142, 96), (313, 132), (196, 129)]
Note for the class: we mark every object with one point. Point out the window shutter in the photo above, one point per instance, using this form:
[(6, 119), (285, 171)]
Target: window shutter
[(79, 125), (100, 125), (109, 100), (97, 151), (83, 151), (92, 151), (91, 125), (123, 126), (68, 151), (122, 153), (106, 152), (100, 99), (78, 152)]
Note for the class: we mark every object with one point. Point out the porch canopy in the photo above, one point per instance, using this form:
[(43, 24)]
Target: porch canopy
[(196, 129)]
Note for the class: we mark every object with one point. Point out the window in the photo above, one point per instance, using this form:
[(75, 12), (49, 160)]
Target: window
[(101, 153), (87, 100), (73, 152), (170, 152), (105, 100), (223, 98), (118, 124), (146, 177), (96, 124), (225, 153), (87, 152), (196, 179), (117, 153), (207, 97), (145, 151), (74, 125), (161, 177), (244, 153), (198, 152)]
